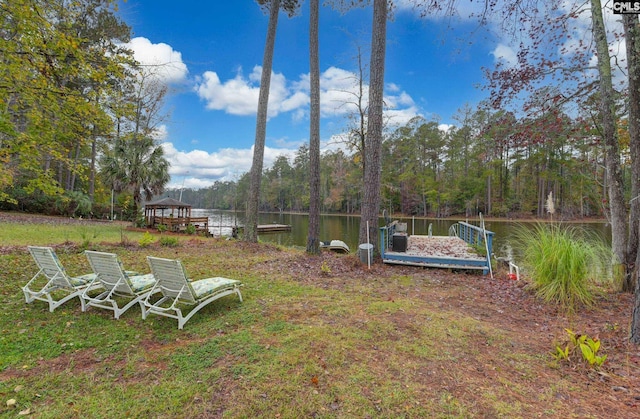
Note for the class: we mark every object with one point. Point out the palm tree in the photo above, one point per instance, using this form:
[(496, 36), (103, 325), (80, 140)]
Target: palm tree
[(136, 165)]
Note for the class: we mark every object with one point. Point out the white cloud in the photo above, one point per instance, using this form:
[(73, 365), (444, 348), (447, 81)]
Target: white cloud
[(239, 96), (160, 132), (199, 169), (236, 96), (339, 94), (340, 91), (396, 101), (165, 61), (505, 54), (295, 102), (392, 87), (399, 117)]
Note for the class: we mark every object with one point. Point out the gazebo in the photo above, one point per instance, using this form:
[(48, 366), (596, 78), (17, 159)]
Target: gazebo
[(167, 211)]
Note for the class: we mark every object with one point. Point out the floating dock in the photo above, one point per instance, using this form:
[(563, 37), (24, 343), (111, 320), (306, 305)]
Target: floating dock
[(466, 247), (273, 228), (263, 228)]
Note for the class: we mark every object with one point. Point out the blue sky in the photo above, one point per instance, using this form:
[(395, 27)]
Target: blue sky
[(211, 55)]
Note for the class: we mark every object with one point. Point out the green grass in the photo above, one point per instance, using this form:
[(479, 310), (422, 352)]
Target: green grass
[(40, 234), (302, 344)]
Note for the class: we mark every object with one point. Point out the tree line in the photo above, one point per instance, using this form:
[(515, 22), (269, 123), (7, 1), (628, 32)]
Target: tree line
[(492, 163)]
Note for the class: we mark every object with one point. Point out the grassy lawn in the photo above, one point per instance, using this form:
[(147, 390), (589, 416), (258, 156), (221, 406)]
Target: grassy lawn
[(315, 337)]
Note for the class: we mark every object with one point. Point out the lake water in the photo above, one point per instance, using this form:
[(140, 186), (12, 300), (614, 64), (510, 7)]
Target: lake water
[(346, 228)]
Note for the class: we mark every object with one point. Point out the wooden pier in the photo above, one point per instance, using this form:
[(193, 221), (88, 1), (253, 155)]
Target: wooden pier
[(263, 228), (181, 224), (273, 228)]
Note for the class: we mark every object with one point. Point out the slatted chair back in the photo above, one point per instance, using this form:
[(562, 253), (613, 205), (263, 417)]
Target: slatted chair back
[(172, 279), (110, 271), (57, 279), (50, 266)]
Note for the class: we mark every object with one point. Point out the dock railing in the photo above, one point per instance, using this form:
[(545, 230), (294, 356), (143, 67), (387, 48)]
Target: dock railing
[(386, 235), (180, 223), (475, 236)]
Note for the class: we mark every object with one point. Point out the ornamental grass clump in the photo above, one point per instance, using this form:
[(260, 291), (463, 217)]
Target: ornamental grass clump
[(563, 263)]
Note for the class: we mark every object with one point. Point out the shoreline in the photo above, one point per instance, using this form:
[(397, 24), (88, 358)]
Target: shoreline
[(522, 218), (18, 216)]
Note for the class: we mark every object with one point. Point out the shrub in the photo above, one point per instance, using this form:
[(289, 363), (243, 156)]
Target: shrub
[(86, 238), (146, 240), (169, 241), (140, 221), (562, 262)]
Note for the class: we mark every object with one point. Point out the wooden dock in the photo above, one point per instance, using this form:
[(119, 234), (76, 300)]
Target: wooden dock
[(180, 224), (264, 228), (459, 250), (273, 228)]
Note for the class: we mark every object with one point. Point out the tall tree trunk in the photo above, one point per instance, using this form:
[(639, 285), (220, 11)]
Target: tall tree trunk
[(373, 153), (362, 133), (632, 31), (74, 167), (617, 203), (253, 200), (313, 241), (92, 168), (488, 206)]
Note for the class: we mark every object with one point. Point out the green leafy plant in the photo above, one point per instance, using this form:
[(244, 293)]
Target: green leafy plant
[(86, 238), (588, 348), (325, 269), (140, 220), (479, 248), (562, 262), (146, 240), (73, 204), (169, 241), (190, 229), (162, 228), (124, 239)]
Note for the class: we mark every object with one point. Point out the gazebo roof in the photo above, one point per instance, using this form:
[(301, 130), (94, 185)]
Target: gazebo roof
[(168, 203)]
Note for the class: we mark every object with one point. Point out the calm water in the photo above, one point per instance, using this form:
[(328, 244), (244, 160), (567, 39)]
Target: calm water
[(346, 228)]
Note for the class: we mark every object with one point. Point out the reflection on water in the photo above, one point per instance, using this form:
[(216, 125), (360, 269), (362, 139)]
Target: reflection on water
[(346, 228)]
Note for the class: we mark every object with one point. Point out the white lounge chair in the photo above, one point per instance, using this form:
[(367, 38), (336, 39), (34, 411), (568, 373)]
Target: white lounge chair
[(117, 283), (57, 280), (176, 288)]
